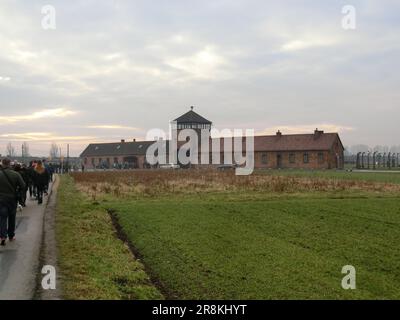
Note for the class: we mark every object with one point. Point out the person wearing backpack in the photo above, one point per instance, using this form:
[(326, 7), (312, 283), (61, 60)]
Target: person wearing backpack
[(10, 183)]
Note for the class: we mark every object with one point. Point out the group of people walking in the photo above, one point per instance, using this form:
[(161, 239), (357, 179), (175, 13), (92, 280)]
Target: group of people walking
[(16, 181)]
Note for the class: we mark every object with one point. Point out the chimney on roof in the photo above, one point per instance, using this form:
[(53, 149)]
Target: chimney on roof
[(318, 133), (122, 140), (279, 133), (192, 107), (134, 140)]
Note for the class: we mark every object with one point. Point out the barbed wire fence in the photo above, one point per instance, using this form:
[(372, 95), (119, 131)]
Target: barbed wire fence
[(374, 160)]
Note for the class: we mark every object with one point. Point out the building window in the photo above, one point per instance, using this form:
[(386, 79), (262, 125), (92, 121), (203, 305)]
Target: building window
[(93, 162), (292, 158), (321, 157), (305, 158), (264, 158), (85, 161), (115, 160)]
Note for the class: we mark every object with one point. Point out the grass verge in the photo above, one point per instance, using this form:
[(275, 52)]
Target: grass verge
[(94, 263)]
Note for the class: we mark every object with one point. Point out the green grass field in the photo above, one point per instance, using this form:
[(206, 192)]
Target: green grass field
[(268, 249), (94, 263), (250, 244)]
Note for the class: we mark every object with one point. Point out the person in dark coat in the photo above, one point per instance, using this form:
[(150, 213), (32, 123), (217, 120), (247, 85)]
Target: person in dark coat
[(31, 175), (10, 181), (22, 170), (41, 180)]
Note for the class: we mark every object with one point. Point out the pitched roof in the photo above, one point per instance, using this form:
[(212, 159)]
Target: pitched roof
[(296, 142), (192, 117), (279, 143), (275, 143), (117, 149)]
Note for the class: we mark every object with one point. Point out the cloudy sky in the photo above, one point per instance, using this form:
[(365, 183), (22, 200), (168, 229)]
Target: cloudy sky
[(115, 69)]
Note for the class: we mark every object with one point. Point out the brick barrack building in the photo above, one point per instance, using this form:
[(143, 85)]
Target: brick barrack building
[(318, 150)]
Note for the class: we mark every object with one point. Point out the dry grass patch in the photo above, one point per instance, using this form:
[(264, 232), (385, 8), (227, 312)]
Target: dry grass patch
[(156, 183)]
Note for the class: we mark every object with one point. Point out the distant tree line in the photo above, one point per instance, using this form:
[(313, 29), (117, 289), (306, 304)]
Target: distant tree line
[(13, 152)]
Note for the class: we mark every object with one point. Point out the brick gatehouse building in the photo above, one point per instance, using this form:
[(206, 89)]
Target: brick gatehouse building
[(318, 150)]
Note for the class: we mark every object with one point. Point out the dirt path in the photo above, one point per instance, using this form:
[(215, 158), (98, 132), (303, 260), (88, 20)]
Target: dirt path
[(20, 260)]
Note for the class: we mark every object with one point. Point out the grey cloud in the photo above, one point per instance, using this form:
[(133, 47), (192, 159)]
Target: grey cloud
[(242, 63)]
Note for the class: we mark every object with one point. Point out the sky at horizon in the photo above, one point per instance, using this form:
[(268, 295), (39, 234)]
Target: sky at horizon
[(113, 70)]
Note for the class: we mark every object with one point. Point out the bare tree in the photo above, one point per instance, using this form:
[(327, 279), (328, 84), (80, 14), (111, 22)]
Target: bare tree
[(25, 150), (394, 149), (359, 148), (385, 149), (378, 148), (10, 150), (54, 151)]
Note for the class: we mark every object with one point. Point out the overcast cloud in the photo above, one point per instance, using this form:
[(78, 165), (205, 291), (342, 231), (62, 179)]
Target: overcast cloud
[(115, 69)]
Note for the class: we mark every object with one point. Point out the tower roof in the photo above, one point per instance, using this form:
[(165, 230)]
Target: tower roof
[(192, 117)]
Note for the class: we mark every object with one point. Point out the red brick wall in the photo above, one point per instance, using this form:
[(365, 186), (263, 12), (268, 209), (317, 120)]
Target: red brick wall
[(331, 159), (337, 155), (88, 161), (314, 162)]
